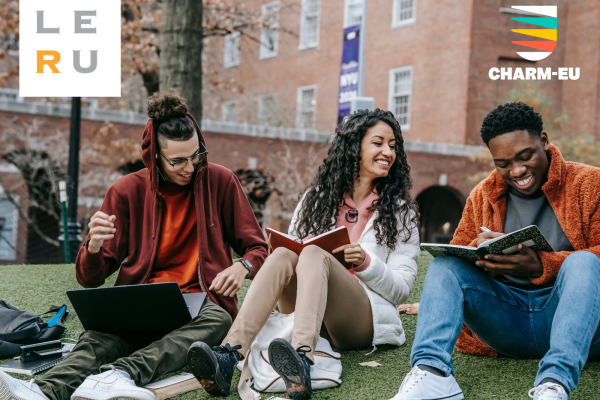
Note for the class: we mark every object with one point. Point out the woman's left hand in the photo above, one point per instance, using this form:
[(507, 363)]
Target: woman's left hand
[(353, 253)]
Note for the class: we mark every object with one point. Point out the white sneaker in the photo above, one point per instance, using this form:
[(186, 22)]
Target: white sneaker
[(15, 389), (423, 385), (549, 391), (113, 384)]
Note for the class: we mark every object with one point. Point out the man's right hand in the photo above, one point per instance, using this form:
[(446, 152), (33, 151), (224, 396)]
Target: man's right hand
[(102, 228), (483, 236)]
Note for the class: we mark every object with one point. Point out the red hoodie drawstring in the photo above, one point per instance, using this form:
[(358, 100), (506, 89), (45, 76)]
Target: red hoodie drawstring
[(210, 214)]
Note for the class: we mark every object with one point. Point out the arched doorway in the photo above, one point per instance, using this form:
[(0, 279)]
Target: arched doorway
[(441, 208), (42, 211), (258, 187)]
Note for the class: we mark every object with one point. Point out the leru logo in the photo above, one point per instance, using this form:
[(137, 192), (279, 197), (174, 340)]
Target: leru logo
[(540, 25), (70, 48)]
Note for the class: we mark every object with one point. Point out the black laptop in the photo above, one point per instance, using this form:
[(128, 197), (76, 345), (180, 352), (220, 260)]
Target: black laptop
[(157, 307)]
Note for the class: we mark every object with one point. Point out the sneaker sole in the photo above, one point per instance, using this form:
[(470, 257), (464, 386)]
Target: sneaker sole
[(91, 394), (288, 365), (458, 396), (6, 393), (109, 398), (205, 367)]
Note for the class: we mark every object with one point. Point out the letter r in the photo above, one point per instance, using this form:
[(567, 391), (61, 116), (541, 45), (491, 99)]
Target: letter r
[(51, 63)]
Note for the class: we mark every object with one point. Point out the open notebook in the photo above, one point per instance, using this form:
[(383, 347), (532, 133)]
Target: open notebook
[(529, 236), (328, 241)]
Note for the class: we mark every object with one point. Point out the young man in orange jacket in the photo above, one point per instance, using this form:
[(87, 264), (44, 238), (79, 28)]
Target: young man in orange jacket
[(527, 305)]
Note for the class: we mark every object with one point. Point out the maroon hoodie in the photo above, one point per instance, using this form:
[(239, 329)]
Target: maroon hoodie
[(225, 221)]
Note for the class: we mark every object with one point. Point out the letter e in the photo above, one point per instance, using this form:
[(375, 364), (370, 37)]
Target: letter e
[(80, 21), (51, 63), (562, 74)]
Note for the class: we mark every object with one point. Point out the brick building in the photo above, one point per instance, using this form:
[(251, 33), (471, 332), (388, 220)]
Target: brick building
[(427, 61)]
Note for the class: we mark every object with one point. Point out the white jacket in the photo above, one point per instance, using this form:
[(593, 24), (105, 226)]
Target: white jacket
[(388, 279)]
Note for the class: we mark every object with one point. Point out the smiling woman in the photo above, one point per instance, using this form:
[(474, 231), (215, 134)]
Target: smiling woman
[(363, 185)]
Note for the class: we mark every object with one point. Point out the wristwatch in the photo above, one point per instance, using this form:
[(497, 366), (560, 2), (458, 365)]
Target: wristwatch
[(247, 265)]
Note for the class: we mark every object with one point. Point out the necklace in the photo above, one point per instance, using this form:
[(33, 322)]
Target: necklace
[(364, 198)]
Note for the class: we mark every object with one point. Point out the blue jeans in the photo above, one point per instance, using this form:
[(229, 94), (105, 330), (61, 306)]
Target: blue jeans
[(558, 324)]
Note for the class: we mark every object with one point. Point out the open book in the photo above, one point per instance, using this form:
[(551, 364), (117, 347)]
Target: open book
[(529, 236), (328, 241)]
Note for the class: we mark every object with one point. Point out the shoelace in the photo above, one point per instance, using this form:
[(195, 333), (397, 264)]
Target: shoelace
[(31, 384), (549, 390), (411, 380), (302, 350), (123, 374), (229, 349)]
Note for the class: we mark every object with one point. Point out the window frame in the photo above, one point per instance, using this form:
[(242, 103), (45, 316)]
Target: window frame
[(224, 107), (303, 45), (261, 102), (299, 109), (265, 52), (234, 37), (395, 10), (10, 214), (346, 12), (392, 95)]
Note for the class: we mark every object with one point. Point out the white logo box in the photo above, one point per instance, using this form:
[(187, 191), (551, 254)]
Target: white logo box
[(39, 20)]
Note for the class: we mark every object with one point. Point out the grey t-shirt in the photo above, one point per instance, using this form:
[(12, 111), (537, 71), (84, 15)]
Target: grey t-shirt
[(522, 211)]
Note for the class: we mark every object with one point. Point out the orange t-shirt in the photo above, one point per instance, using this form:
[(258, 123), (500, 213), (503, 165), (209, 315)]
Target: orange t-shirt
[(177, 253)]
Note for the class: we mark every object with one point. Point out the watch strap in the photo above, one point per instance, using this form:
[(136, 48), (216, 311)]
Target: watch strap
[(247, 265)]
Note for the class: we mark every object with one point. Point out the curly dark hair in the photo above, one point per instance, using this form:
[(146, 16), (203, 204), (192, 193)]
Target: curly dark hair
[(511, 117), (168, 112), (340, 169)]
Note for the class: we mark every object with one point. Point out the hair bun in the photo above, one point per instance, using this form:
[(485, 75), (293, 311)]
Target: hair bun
[(163, 107)]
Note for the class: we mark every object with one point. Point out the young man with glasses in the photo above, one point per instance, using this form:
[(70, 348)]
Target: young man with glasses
[(175, 221)]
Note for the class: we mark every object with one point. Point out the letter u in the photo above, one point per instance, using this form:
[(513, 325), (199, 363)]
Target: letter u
[(77, 62), (573, 75)]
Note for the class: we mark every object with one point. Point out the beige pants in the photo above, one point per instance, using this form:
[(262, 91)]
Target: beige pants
[(318, 289)]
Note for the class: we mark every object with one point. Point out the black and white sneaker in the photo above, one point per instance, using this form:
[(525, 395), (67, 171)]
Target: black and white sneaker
[(293, 367), (213, 367)]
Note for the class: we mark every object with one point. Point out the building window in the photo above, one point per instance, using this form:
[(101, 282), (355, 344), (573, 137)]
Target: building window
[(400, 95), (270, 33), (229, 111), (307, 105), (266, 105), (9, 220), (232, 50), (353, 11), (309, 31), (403, 13)]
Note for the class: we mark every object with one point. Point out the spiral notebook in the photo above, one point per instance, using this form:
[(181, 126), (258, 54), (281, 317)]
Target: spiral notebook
[(31, 367)]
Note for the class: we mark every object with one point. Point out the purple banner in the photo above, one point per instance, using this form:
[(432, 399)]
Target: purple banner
[(349, 71)]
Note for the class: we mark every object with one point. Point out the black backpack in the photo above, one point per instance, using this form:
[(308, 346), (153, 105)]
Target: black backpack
[(19, 328)]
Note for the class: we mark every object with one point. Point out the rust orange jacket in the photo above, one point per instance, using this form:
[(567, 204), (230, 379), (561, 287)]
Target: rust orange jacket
[(573, 192), (225, 221)]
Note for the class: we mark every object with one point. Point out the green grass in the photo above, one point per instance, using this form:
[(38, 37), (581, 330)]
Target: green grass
[(35, 288)]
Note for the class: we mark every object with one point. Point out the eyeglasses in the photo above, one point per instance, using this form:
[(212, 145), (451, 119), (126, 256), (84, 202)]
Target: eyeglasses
[(180, 164)]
